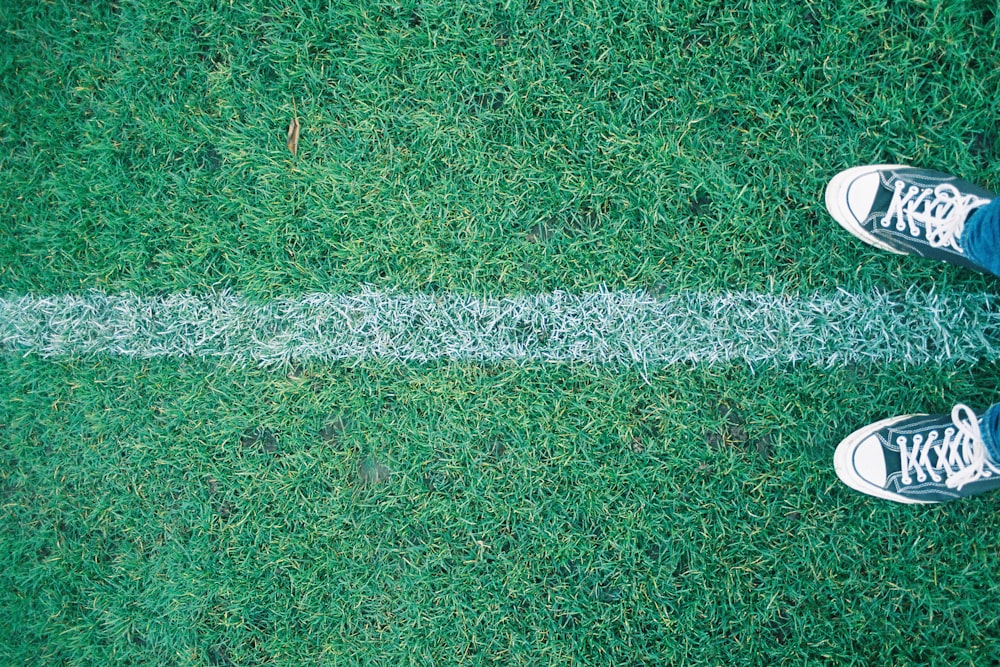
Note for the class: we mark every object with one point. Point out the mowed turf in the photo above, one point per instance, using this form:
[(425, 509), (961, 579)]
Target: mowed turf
[(194, 513)]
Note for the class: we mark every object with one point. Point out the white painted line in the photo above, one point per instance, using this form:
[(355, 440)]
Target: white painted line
[(597, 328)]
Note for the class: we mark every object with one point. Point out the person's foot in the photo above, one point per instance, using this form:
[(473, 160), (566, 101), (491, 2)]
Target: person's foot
[(918, 458), (905, 210)]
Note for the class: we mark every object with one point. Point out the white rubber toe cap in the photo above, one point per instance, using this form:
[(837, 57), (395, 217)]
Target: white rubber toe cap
[(869, 462), (861, 195)]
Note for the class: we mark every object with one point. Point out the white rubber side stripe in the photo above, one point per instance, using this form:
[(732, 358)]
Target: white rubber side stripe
[(597, 328)]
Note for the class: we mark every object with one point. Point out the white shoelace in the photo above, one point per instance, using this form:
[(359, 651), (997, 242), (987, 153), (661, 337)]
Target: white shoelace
[(942, 211), (961, 453)]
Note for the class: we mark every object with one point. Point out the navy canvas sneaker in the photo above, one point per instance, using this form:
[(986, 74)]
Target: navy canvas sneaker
[(905, 210), (919, 458)]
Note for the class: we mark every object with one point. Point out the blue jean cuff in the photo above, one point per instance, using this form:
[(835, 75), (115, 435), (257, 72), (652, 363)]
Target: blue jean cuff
[(981, 237), (989, 426)]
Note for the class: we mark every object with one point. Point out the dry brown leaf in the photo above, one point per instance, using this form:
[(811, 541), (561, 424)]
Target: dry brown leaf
[(293, 136)]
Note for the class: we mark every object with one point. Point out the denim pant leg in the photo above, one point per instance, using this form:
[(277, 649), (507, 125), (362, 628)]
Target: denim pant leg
[(981, 237), (981, 241), (989, 425)]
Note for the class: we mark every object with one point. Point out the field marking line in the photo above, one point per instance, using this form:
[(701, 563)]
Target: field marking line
[(599, 327)]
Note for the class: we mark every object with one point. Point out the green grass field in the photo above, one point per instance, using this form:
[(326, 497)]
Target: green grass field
[(196, 512)]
